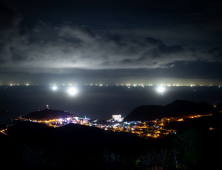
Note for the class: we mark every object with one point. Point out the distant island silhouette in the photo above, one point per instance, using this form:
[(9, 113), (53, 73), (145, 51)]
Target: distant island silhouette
[(178, 108)]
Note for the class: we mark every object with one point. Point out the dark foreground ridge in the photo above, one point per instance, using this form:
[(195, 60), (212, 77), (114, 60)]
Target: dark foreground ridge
[(219, 106), (70, 144), (35, 146), (85, 137), (178, 108)]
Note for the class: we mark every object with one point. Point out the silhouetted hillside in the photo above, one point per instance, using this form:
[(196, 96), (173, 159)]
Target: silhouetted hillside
[(74, 138), (219, 106), (32, 145), (25, 127), (178, 108), (48, 114), (3, 111)]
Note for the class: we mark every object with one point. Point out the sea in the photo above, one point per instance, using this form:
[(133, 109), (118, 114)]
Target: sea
[(97, 102)]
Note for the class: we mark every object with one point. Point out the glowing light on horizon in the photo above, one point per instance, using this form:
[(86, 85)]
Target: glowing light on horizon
[(54, 88), (160, 89), (72, 91)]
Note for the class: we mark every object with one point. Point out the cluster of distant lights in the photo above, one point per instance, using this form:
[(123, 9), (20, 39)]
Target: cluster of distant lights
[(129, 85), (160, 87), (71, 90)]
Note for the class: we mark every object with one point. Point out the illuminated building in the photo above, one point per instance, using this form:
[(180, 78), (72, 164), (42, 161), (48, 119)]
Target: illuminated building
[(117, 118)]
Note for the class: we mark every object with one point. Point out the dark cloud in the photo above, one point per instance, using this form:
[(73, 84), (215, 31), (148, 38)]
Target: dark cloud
[(9, 29), (161, 44), (216, 53), (70, 46), (150, 42)]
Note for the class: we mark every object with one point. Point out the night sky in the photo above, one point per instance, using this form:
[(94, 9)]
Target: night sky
[(110, 42)]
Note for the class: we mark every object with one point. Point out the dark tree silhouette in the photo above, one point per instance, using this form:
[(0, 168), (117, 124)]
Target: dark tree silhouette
[(186, 144)]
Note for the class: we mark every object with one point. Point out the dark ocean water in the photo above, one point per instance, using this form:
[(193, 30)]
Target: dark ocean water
[(96, 102)]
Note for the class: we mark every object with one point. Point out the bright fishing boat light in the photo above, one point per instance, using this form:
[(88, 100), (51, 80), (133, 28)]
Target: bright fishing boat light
[(72, 91), (54, 88), (161, 89)]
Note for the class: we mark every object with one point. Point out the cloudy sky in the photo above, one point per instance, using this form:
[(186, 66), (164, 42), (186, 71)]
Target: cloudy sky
[(110, 42)]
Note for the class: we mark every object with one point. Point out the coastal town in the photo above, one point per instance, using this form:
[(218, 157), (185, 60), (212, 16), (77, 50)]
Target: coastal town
[(144, 129), (53, 129)]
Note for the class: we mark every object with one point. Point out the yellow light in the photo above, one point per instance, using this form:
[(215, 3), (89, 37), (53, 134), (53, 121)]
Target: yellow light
[(180, 120)]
